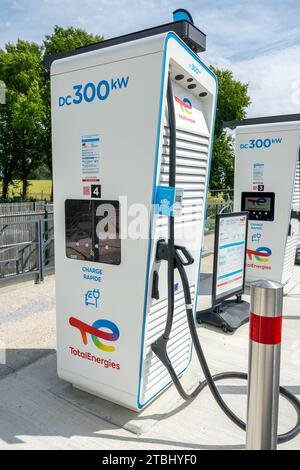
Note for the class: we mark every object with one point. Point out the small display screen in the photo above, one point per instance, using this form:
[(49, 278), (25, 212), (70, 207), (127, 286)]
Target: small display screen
[(260, 205), (93, 231), (257, 203)]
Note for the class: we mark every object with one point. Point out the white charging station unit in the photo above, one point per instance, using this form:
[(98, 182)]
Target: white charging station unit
[(267, 184), (110, 146)]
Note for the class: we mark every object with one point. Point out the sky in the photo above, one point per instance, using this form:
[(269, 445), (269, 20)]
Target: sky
[(258, 40)]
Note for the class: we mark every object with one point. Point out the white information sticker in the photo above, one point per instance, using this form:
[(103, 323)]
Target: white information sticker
[(258, 173), (90, 158)]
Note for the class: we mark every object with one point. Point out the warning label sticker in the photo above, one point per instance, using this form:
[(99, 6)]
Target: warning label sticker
[(258, 173), (258, 176), (90, 158)]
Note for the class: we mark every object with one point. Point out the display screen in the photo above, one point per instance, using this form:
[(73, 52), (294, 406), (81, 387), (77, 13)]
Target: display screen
[(93, 231), (230, 253), (260, 205), (257, 203)]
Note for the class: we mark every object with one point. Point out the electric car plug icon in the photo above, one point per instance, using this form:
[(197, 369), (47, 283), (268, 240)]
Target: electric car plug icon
[(164, 207), (256, 237), (91, 297)]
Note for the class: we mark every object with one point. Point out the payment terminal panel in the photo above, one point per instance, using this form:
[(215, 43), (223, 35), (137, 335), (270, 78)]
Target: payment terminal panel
[(261, 206)]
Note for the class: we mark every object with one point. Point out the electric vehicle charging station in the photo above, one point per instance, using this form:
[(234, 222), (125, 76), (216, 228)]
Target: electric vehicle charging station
[(267, 185), (132, 122), (111, 149)]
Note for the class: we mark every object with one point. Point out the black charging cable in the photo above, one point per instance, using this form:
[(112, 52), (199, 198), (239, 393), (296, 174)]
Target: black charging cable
[(178, 257)]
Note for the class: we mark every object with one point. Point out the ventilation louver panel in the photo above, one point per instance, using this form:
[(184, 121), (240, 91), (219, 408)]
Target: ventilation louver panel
[(292, 242), (191, 171), (155, 374), (289, 259), (191, 174), (296, 196)]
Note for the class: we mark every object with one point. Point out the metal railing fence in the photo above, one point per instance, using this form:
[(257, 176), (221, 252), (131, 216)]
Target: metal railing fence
[(26, 243)]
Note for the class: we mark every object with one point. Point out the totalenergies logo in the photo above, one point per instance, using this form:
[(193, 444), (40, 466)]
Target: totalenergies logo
[(185, 104), (261, 201), (96, 332), (261, 254)]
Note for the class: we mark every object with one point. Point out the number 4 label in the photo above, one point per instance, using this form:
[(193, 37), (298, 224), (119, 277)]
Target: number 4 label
[(96, 191)]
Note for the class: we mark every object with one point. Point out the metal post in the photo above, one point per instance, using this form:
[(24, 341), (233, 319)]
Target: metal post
[(264, 365), (37, 257), (41, 249), (39, 252), (46, 227)]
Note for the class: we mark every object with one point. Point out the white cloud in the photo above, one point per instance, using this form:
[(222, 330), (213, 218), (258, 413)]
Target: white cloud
[(5, 24), (274, 82), (17, 5), (83, 20)]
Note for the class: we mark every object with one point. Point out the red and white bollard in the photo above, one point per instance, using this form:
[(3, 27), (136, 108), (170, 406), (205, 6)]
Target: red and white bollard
[(264, 365)]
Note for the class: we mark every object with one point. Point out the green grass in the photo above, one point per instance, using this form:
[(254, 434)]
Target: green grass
[(37, 189)]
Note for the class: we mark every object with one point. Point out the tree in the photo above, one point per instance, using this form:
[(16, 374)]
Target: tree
[(8, 159), (29, 116), (66, 39), (22, 117), (222, 172), (233, 100)]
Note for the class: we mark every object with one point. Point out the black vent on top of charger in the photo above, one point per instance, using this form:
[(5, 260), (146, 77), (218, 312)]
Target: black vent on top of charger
[(192, 36)]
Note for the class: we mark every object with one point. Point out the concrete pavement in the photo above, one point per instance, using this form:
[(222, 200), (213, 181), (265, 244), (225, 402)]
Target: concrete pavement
[(37, 412)]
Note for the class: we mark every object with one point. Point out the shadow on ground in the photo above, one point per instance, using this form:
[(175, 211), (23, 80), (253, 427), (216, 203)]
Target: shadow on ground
[(43, 405), (13, 360)]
